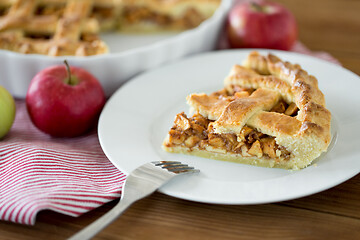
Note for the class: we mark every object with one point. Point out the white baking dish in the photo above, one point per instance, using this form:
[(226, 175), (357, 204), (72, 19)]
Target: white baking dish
[(129, 55)]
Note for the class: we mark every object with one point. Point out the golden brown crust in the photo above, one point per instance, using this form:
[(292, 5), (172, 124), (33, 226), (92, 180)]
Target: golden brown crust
[(210, 107), (303, 86), (275, 124), (245, 77), (69, 33), (306, 94), (237, 112)]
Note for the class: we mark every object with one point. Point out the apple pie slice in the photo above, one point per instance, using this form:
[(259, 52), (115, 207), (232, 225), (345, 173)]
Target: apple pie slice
[(270, 113)]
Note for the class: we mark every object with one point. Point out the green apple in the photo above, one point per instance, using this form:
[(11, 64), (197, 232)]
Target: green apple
[(7, 111)]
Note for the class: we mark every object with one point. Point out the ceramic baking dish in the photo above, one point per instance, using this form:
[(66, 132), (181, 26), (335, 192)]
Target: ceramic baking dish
[(129, 55)]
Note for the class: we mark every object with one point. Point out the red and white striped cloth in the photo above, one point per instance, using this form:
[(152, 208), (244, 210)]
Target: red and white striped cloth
[(37, 172), (70, 176)]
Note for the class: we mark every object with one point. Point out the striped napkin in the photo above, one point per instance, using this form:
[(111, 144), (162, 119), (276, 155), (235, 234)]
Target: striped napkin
[(69, 176), (37, 172)]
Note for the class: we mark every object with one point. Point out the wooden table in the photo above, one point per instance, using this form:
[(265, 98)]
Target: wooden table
[(326, 25)]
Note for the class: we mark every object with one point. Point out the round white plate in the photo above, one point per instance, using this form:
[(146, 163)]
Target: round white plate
[(138, 116)]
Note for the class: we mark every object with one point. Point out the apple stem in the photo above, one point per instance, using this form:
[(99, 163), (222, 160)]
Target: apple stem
[(68, 73), (256, 6)]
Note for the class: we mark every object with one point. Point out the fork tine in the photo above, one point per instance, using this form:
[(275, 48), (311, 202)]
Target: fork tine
[(186, 171), (159, 163), (172, 169), (175, 167)]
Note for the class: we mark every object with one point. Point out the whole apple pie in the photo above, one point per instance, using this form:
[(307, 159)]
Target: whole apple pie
[(72, 27), (270, 113)]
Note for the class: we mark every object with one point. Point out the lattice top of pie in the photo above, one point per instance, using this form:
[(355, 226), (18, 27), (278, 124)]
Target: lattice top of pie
[(71, 27), (306, 134), (52, 27)]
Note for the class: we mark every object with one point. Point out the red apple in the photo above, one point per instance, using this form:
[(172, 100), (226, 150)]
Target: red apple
[(64, 101), (261, 24)]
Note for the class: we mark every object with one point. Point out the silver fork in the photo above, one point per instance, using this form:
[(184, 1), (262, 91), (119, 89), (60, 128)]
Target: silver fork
[(141, 182)]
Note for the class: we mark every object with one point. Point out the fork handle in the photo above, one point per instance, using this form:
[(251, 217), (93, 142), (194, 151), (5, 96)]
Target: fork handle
[(95, 227)]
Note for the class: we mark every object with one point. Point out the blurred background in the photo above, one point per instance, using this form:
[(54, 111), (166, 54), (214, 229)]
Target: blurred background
[(329, 25)]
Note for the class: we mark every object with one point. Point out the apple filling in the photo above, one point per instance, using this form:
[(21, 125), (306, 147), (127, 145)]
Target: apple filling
[(85, 37), (197, 132), (40, 36), (287, 109), (135, 14), (4, 11)]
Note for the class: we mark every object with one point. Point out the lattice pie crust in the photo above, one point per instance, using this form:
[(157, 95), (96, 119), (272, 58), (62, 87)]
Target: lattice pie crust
[(271, 113), (71, 27)]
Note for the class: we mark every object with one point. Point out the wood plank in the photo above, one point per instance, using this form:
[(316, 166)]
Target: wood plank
[(163, 217), (327, 24), (330, 25), (348, 61), (342, 200)]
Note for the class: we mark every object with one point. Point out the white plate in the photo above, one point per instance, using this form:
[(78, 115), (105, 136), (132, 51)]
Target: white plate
[(136, 119)]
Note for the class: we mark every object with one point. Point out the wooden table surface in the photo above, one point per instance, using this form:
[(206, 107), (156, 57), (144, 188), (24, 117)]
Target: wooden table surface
[(324, 25)]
